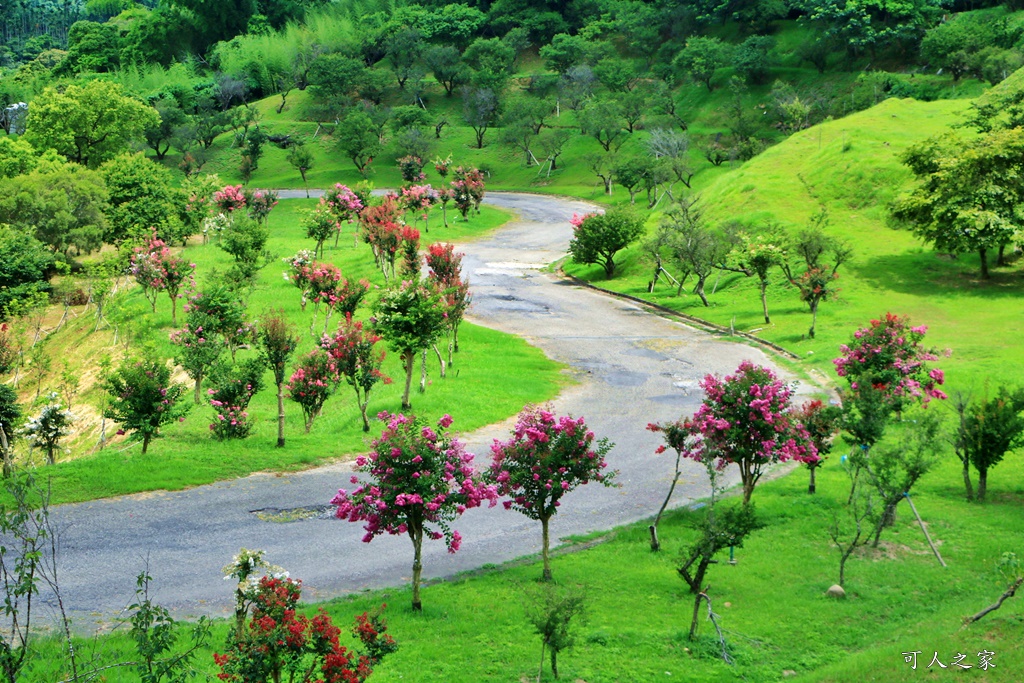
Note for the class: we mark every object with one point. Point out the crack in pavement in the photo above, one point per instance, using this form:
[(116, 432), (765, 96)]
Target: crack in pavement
[(632, 367)]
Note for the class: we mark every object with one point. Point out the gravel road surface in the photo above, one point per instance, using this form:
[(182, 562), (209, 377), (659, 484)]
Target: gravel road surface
[(631, 368)]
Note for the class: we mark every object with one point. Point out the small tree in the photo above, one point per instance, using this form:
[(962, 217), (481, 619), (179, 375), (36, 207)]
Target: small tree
[(246, 240), (598, 237), (301, 159), (356, 360), (320, 225), (233, 389), (420, 481), (446, 271), (468, 190), (676, 435), (46, 429), (854, 532), (746, 419), (552, 611), (759, 254), (546, 458), (986, 431), (143, 399), (822, 423), (409, 317), (277, 343), (199, 348), (312, 383), (820, 258)]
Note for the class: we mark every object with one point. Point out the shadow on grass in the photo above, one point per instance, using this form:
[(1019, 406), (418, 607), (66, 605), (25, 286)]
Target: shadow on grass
[(928, 274)]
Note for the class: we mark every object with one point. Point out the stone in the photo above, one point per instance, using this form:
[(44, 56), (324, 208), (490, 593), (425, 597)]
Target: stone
[(836, 591)]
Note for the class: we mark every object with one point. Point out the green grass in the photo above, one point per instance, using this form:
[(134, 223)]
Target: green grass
[(851, 167), (493, 376), (771, 604)]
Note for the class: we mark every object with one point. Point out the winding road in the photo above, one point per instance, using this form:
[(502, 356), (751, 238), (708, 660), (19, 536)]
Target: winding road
[(632, 368)]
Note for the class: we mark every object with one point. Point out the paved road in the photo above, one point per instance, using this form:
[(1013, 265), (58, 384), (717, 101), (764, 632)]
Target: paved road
[(633, 368)]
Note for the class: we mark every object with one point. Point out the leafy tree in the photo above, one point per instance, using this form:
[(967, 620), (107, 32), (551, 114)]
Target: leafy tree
[(860, 510), (445, 62), (25, 268), (156, 633), (143, 197), (988, 428), (967, 193), (63, 206), (546, 458), (564, 52), (218, 20), (820, 256), (492, 61), (822, 423), (358, 139), (455, 22), (312, 383), (618, 75), (200, 347), (751, 59), (747, 419), (17, 157), (479, 111), (757, 256), (598, 237), (874, 25), (420, 481), (301, 159), (245, 239), (404, 48), (92, 47), (702, 57), (552, 611), (87, 123), (143, 399), (233, 389), (602, 120), (409, 317), (159, 137), (277, 342)]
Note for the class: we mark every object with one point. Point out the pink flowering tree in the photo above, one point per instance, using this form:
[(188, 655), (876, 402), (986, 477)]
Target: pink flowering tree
[(747, 420), (345, 205), (822, 423), (233, 389), (385, 231), (546, 458), (418, 199), (676, 434), (468, 187), (158, 270), (260, 203), (229, 199), (320, 224), (345, 298), (420, 480), (411, 168), (312, 383), (357, 361), (299, 267), (446, 271)]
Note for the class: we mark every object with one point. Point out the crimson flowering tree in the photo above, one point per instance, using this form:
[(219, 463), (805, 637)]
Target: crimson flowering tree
[(279, 644), (446, 270), (312, 383), (822, 423), (357, 361), (747, 420), (420, 481), (382, 228), (468, 187), (546, 458)]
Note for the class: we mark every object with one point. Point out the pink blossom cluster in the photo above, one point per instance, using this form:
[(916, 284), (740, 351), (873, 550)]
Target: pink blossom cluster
[(468, 189), (888, 356), (229, 199), (746, 419), (546, 457), (419, 198), (260, 203), (342, 202), (420, 479), (157, 269)]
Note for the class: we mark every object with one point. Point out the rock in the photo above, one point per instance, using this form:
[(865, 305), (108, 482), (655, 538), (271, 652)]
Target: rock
[(728, 604), (786, 673), (836, 591)]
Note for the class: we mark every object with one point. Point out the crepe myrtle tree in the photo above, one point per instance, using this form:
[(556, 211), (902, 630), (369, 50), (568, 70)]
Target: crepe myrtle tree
[(409, 317), (747, 419), (277, 341), (143, 399), (357, 361), (418, 481), (546, 458)]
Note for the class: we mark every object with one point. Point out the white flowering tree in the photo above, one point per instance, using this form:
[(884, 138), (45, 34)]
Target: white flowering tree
[(46, 429)]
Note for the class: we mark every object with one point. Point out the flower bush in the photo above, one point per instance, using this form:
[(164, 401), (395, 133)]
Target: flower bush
[(312, 384), (357, 361), (46, 429), (233, 389), (420, 480)]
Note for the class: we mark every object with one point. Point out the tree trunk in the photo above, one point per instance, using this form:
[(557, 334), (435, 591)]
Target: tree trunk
[(699, 290), (440, 360), (814, 318), (544, 548), (195, 393), (280, 415), (983, 255), (174, 311), (696, 613), (423, 371), (982, 483), (409, 357), (609, 267), (967, 480), (655, 545), (554, 662), (417, 566), (145, 443), (764, 303), (810, 486)]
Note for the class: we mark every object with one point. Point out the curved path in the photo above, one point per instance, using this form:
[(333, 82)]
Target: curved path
[(632, 368)]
